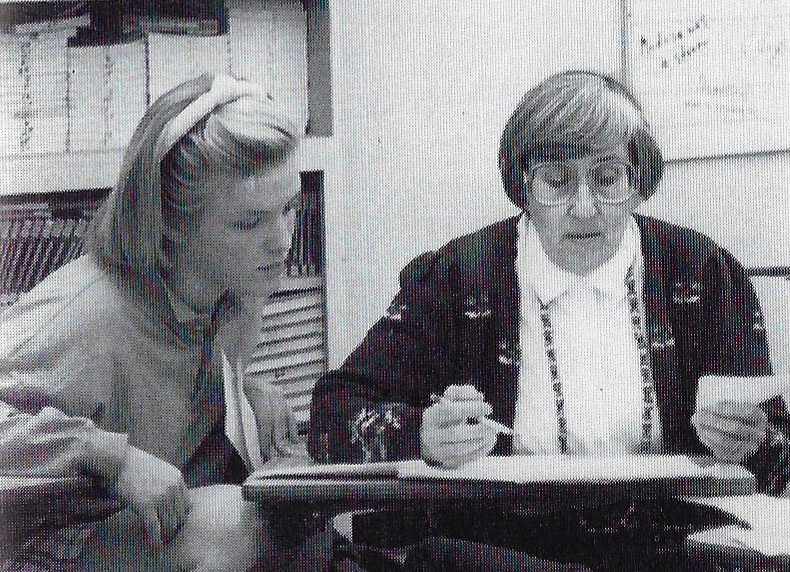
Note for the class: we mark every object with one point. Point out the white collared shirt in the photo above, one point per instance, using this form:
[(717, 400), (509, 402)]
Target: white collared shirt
[(597, 355)]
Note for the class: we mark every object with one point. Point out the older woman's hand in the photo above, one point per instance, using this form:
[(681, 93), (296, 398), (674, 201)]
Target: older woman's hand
[(731, 431), (446, 436), (277, 428)]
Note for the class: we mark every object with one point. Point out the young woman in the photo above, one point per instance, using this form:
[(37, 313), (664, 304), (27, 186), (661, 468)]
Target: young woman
[(127, 364)]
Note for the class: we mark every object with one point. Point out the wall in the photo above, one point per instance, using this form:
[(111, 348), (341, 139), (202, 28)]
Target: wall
[(743, 202), (421, 92)]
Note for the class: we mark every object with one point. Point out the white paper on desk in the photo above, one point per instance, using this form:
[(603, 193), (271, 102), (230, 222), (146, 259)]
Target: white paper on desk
[(339, 470), (715, 388), (768, 517), (565, 468)]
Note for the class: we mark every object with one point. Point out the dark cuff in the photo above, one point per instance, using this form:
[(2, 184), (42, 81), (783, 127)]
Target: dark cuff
[(771, 462), (386, 431)]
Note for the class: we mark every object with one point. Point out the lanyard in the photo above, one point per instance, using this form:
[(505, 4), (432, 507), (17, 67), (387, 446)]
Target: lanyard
[(648, 392)]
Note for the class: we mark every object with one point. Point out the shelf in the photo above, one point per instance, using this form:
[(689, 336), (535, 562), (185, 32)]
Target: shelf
[(48, 173)]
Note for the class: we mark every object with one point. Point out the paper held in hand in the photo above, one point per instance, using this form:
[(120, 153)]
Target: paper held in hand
[(715, 388)]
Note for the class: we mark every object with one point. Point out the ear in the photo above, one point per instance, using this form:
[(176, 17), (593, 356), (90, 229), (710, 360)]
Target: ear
[(636, 202)]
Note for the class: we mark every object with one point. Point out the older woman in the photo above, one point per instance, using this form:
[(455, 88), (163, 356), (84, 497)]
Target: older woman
[(579, 323), (127, 364)]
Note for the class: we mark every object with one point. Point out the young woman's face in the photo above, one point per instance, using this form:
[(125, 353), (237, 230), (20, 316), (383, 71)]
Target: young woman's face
[(244, 233)]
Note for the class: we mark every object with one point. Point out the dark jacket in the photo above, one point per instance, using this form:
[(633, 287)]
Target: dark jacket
[(455, 321)]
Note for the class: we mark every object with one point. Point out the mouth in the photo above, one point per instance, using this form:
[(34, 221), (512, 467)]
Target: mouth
[(583, 237), (272, 267)]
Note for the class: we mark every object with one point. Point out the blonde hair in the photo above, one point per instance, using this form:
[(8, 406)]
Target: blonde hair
[(574, 113), (158, 195)]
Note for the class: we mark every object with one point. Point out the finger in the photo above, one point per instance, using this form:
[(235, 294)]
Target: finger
[(725, 448), (182, 505), (454, 458), (459, 411), (168, 518), (465, 451), (733, 427), (458, 455), (748, 412), (174, 515), (293, 426), (462, 392), (749, 436), (462, 434), (719, 447), (151, 526), (285, 429), (186, 496), (482, 451)]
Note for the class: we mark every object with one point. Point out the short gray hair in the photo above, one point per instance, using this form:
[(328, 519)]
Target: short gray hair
[(574, 113)]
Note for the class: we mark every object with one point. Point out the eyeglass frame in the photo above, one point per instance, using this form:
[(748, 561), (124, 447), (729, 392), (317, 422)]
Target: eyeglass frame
[(529, 176)]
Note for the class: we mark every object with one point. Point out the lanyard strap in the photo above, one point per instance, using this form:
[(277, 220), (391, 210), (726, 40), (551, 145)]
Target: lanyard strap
[(648, 392)]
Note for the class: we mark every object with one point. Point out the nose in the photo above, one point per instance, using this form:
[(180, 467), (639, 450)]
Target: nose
[(584, 204), (286, 233)]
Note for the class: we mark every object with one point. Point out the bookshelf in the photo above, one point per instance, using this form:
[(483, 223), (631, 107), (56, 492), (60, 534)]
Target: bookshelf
[(68, 145), (65, 172)]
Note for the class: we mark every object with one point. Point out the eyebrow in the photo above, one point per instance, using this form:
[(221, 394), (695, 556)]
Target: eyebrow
[(293, 202)]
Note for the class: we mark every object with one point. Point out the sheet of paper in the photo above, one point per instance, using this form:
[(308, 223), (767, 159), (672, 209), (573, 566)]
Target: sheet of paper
[(714, 388), (563, 468), (269, 47), (712, 75), (339, 470), (87, 92), (768, 517), (125, 84)]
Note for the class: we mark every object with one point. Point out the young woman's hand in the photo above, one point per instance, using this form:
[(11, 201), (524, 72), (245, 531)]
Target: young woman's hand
[(154, 490)]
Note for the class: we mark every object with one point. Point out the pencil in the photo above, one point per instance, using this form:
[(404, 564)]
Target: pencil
[(490, 423)]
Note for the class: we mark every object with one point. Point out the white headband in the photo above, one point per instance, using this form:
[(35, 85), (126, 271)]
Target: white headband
[(224, 89)]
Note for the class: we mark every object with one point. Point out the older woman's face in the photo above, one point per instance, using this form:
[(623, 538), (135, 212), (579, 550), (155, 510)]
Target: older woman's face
[(244, 233), (583, 233)]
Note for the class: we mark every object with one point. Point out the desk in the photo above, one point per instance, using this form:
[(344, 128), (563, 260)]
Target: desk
[(339, 494), (28, 504), (317, 500), (298, 509)]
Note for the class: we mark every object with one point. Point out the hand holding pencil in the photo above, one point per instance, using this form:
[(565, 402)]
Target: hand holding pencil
[(447, 436)]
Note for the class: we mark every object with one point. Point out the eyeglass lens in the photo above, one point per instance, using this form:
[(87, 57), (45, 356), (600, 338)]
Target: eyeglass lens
[(558, 181)]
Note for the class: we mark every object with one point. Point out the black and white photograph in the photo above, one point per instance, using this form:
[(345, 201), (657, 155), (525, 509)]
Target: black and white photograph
[(381, 285)]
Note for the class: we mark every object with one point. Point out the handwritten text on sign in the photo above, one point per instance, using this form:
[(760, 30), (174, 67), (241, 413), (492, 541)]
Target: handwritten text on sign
[(712, 75)]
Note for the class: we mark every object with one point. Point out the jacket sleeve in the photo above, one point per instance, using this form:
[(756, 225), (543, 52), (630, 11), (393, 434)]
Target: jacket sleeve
[(738, 346), (52, 444), (55, 380), (371, 408)]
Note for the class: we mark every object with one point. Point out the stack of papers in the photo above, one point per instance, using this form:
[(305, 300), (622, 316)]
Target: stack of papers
[(563, 468), (715, 388)]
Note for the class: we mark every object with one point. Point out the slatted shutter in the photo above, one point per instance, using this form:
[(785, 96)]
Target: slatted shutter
[(292, 349)]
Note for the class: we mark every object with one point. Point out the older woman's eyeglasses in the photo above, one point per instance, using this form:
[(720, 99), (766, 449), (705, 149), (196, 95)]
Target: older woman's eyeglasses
[(556, 182)]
